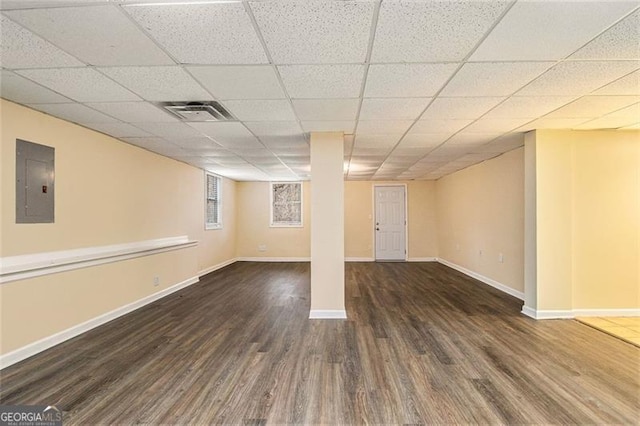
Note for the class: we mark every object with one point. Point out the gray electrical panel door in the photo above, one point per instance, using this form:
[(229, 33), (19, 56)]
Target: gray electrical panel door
[(34, 182)]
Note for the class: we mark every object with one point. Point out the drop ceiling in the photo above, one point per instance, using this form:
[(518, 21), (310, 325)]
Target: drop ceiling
[(421, 88)]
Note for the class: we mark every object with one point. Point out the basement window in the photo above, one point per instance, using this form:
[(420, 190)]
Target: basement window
[(286, 204), (213, 202)]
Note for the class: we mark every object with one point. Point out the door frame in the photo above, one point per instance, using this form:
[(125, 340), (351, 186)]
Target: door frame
[(406, 218)]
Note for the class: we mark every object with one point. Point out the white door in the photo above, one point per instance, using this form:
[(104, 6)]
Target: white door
[(390, 222)]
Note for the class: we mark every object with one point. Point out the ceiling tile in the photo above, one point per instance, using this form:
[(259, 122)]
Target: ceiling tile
[(20, 4), (611, 121), (21, 48), (416, 153), (239, 82), (496, 125), (229, 135), (440, 125), (202, 146), (392, 108), (406, 80), (325, 126), (326, 109), (220, 33), (159, 83), (551, 123), (383, 126), (377, 141), (274, 128), (475, 139), (289, 151), (75, 113), (619, 42), (261, 110), (322, 81), (563, 79), (502, 144), (460, 107), (593, 106), (528, 106), (98, 35), (424, 140), (134, 112), (451, 28), (284, 141), (627, 85), (18, 89), (374, 154), (548, 30), (169, 131), (157, 145), (493, 79), (315, 32), (80, 84), (119, 130)]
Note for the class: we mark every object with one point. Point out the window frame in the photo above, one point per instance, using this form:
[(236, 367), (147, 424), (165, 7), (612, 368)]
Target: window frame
[(212, 225), (273, 224)]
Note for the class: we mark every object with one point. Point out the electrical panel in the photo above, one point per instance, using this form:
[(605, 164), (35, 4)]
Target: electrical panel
[(35, 184)]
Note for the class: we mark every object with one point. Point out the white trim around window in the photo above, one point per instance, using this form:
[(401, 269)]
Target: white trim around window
[(212, 201), (273, 222)]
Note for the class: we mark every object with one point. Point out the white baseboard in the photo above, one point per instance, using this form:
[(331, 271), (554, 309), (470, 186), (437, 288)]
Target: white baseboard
[(359, 259), (482, 278), (328, 314), (573, 313), (218, 266), (21, 267), (55, 339), (422, 259), (273, 259)]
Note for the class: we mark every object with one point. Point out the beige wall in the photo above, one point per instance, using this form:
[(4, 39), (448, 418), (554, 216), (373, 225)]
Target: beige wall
[(421, 219), (480, 215), (253, 218), (588, 219), (107, 192)]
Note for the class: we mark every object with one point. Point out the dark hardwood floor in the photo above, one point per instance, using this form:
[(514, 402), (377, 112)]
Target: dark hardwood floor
[(423, 344)]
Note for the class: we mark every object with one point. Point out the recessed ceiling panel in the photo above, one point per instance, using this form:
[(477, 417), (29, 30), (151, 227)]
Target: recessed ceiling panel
[(218, 33), (18, 89), (392, 108), (493, 79), (627, 85), (322, 81), (383, 126), (435, 31), (134, 111), (75, 113), (527, 107), (21, 48), (159, 83), (407, 80), (548, 30), (261, 110), (98, 35), (119, 130), (312, 32), (80, 84), (326, 109), (460, 107), (619, 42), (593, 106), (239, 82), (328, 126), (169, 131), (274, 128), (578, 78), (441, 125)]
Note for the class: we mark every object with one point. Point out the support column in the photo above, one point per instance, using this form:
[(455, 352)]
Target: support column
[(327, 226)]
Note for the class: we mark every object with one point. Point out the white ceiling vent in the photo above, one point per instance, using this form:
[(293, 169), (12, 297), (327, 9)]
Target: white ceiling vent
[(198, 111)]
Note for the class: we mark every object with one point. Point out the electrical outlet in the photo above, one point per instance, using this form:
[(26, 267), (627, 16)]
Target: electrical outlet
[(156, 281), (262, 247)]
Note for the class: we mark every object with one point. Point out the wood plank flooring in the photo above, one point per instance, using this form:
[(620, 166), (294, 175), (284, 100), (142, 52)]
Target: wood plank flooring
[(424, 344)]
